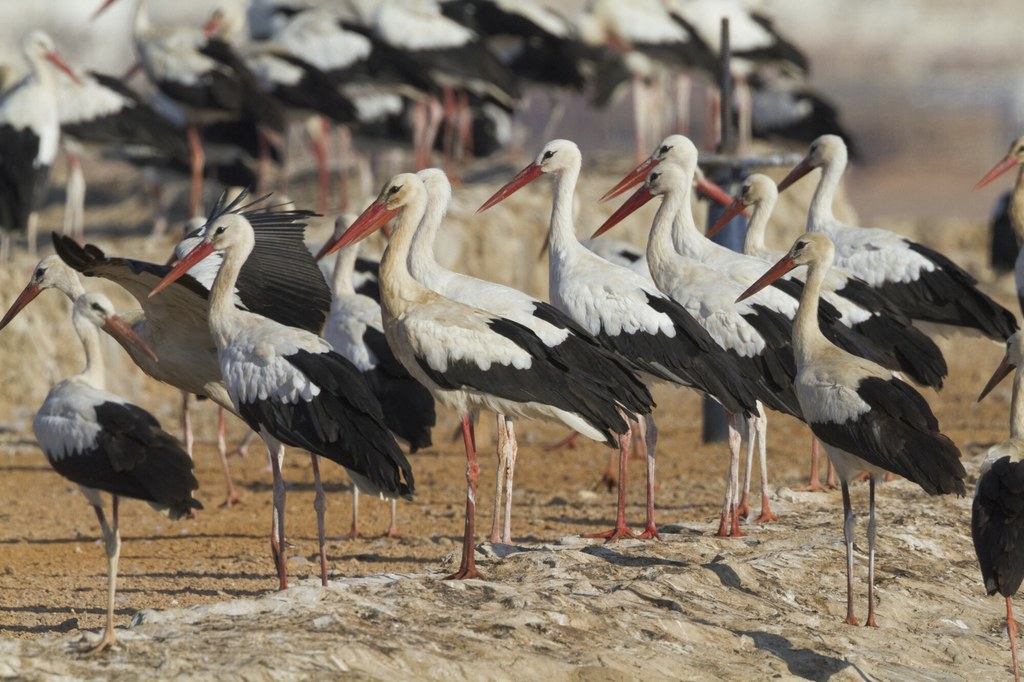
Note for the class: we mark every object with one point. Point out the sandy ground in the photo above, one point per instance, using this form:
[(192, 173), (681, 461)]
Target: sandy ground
[(197, 599)]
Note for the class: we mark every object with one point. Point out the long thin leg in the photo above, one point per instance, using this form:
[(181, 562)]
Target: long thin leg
[(650, 444), (112, 546), (392, 531), (320, 505), (743, 509), (319, 146), (761, 432), (31, 230), (872, 528), (1011, 629), (74, 203), (511, 453), (620, 530), (830, 477), (354, 531), (276, 452), (467, 568), (849, 521), (186, 423), (198, 160), (499, 481), (814, 483), (729, 522), (231, 497)]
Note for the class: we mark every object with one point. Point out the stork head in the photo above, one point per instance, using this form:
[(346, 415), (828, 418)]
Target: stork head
[(826, 150), (50, 273), (37, 46), (757, 191), (556, 157), (676, 148), (96, 309), (809, 248), (229, 231), (1013, 157), (666, 178), (397, 193), (1013, 359)]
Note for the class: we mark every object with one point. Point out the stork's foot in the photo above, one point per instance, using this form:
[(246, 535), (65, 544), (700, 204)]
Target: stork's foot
[(607, 481), (815, 486), (743, 510), (464, 573), (104, 643), (650, 532), (231, 499), (570, 442), (353, 534), (393, 532), (871, 622), (618, 532), (729, 526), (766, 517)]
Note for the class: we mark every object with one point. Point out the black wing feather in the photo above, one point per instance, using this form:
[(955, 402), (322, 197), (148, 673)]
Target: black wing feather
[(997, 526)]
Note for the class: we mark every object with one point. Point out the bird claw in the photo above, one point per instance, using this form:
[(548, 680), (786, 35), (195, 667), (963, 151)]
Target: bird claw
[(104, 643), (766, 517), (612, 535)]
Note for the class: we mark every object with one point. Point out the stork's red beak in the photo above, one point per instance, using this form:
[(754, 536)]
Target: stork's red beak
[(373, 218), (1004, 368), (59, 62), (24, 298), (799, 170), (523, 178), (213, 24), (122, 331), (201, 251), (638, 199), (735, 208), (785, 264), (634, 177), (102, 8), (1004, 165)]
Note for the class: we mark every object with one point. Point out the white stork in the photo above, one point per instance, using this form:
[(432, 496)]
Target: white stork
[(921, 282), (290, 386), (865, 416), (203, 75), (997, 515), (29, 138), (1013, 159), (355, 330), (471, 359), (757, 336), (626, 312), (105, 444)]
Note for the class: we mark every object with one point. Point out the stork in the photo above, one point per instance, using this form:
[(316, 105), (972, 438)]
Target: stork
[(205, 77), (103, 443), (866, 417), (924, 284), (355, 330), (29, 138), (756, 335), (1013, 159), (471, 359), (997, 519), (626, 312), (290, 386)]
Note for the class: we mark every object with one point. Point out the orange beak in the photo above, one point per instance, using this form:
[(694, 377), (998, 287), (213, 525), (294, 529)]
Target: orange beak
[(523, 178), (634, 177), (1004, 165), (1004, 368), (372, 219), (59, 62), (638, 199), (24, 298), (102, 9), (201, 251), (785, 264), (120, 330), (735, 208), (799, 170), (212, 24)]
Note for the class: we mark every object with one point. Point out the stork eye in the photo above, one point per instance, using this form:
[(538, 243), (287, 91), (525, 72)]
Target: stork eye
[(664, 149), (97, 307), (40, 272), (653, 177), (547, 155), (394, 190), (799, 247), (219, 231)]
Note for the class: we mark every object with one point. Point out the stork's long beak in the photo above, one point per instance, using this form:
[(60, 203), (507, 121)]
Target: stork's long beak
[(59, 62), (24, 298), (123, 332), (735, 208), (785, 264), (373, 218), (638, 199), (102, 9), (1004, 368), (201, 251), (522, 178), (1005, 164), (799, 170), (634, 177)]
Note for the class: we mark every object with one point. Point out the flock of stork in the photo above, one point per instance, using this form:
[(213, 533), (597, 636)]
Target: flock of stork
[(343, 374)]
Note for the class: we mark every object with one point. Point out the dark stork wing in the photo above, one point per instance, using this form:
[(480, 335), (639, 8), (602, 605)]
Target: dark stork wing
[(408, 406), (900, 434), (997, 526), (21, 180)]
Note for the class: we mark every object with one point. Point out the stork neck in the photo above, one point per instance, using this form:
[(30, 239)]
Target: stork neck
[(399, 292), (562, 228), (344, 269), (222, 296), (807, 336), (1017, 207), (93, 373), (660, 249), (1017, 405), (820, 212), (686, 238), (421, 249), (140, 20), (753, 244)]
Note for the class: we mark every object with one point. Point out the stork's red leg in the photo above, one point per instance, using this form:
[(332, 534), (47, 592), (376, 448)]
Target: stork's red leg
[(197, 160), (649, 444), (354, 531), (1011, 629), (620, 530), (849, 521), (467, 568), (231, 497)]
